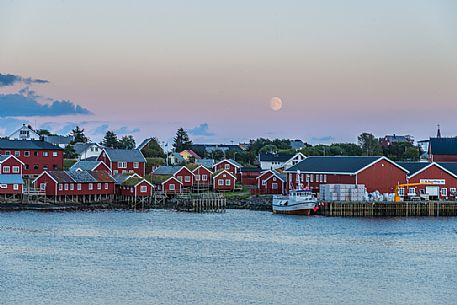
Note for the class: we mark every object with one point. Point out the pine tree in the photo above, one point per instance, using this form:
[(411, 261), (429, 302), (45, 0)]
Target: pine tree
[(79, 136), (182, 141), (110, 140), (126, 142)]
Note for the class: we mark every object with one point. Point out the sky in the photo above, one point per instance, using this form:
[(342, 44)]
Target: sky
[(147, 68)]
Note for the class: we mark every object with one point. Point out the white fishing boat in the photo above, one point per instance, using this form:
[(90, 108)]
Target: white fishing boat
[(297, 202)]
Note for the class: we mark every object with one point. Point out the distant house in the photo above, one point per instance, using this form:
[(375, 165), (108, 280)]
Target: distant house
[(87, 150), (11, 184), (188, 154), (210, 148), (202, 176), (10, 164), (181, 173), (175, 159), (388, 140), (93, 166), (273, 161), (60, 141), (230, 166), (24, 133), (271, 182), (224, 181), (248, 175), (37, 156), (208, 163), (297, 144), (124, 161), (442, 150), (135, 186)]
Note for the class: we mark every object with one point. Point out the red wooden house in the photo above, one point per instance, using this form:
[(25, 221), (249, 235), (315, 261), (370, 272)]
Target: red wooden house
[(442, 150), (376, 173), (37, 156), (271, 182), (68, 183), (181, 173), (248, 175), (124, 161), (11, 165), (171, 186), (442, 177), (224, 181), (11, 184), (202, 176), (135, 186), (230, 166)]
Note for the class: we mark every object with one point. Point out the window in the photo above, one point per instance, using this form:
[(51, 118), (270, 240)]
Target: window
[(311, 178), (171, 187), (27, 166), (17, 153), (187, 178), (45, 154), (197, 177), (122, 164), (42, 186), (3, 186), (72, 187), (444, 192), (7, 153), (143, 189), (6, 169), (35, 166), (65, 186), (15, 187), (45, 167), (179, 178), (220, 182), (91, 186), (274, 186), (106, 186), (55, 154), (227, 166), (115, 172), (78, 186), (325, 178), (16, 169), (204, 177), (60, 187), (401, 191), (307, 177), (412, 191), (452, 191), (264, 182), (99, 186), (26, 153), (136, 165), (228, 182), (35, 153)]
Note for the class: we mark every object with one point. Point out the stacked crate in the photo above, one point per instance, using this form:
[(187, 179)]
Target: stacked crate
[(342, 192)]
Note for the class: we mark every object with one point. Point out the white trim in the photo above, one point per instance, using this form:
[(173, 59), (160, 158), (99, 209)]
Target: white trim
[(380, 159), (225, 172), (172, 177), (274, 176), (43, 173), (215, 165), (431, 164), (13, 156), (204, 168), (142, 182)]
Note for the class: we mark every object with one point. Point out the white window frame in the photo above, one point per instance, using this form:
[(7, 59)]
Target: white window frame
[(143, 188), (307, 177), (78, 186), (3, 186), (45, 154), (99, 186), (43, 186), (187, 179), (60, 187), (311, 178), (7, 169), (72, 187), (172, 187), (204, 177), (411, 191), (401, 191), (15, 186), (91, 186), (17, 153), (325, 178), (227, 166), (65, 186), (220, 182), (106, 185), (228, 182), (136, 164), (121, 164), (197, 177), (274, 186), (55, 154), (452, 190), (16, 169), (443, 191)]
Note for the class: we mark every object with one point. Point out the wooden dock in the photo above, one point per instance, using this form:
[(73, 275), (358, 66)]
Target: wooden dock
[(389, 209), (201, 203)]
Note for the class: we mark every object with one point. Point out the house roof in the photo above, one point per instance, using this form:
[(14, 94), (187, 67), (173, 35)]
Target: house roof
[(413, 167), (443, 146), (336, 164), (85, 165), (208, 163), (230, 161), (144, 143), (102, 176), (269, 157), (166, 170), (120, 178), (216, 174), (131, 155), (27, 144), (81, 147), (190, 152), (178, 157), (450, 166), (282, 177), (81, 176), (250, 169), (296, 144), (60, 176), (396, 138), (133, 181), (57, 140), (11, 179)]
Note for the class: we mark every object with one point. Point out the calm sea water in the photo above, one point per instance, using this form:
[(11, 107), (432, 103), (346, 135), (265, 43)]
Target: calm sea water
[(240, 257)]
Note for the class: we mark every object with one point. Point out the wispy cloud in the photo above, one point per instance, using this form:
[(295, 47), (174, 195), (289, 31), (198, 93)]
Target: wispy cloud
[(125, 130), (11, 79)]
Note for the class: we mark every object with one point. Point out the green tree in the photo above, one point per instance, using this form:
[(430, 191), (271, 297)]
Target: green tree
[(126, 142), (182, 141), (110, 140), (69, 152), (369, 144), (153, 149), (269, 148), (44, 132), (217, 155), (78, 135)]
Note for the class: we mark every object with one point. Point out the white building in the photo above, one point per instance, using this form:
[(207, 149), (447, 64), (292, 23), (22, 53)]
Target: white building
[(273, 161), (24, 133), (87, 151)]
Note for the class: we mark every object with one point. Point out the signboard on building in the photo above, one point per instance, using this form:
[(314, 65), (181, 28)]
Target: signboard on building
[(434, 181)]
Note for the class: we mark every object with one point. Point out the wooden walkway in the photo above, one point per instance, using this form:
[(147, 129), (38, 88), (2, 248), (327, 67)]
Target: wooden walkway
[(201, 203), (388, 209)]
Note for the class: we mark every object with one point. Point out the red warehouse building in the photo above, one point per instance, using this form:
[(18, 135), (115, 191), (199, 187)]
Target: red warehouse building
[(37, 156), (230, 166), (76, 183), (248, 175), (123, 161), (271, 182), (376, 173), (11, 184), (442, 177), (224, 181), (442, 150)]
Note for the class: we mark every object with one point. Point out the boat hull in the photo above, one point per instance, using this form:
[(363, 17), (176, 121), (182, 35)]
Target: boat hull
[(305, 212)]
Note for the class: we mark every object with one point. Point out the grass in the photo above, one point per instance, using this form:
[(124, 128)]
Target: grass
[(243, 194), (67, 163)]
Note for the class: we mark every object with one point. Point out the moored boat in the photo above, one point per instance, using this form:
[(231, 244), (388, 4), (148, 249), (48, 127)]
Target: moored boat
[(298, 202)]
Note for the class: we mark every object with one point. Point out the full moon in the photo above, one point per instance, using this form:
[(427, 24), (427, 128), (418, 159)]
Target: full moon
[(276, 103)]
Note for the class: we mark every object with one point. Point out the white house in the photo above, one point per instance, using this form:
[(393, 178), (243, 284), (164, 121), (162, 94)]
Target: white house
[(273, 161), (89, 151), (24, 133)]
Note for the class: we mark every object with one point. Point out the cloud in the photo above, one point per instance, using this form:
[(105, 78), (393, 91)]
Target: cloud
[(102, 129), (10, 80), (26, 104), (201, 130), (9, 125), (126, 130)]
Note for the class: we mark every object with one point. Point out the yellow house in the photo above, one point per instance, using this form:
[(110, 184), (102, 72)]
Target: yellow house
[(188, 153)]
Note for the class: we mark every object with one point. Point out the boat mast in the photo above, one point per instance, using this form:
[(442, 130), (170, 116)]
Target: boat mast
[(298, 180)]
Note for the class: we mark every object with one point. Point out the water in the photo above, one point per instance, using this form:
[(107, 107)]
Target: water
[(240, 257)]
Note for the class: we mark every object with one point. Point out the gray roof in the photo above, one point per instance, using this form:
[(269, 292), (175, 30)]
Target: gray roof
[(333, 164), (3, 158), (84, 165), (81, 176), (27, 144), (450, 166), (81, 147), (144, 143), (234, 162), (131, 155), (443, 146), (57, 140), (250, 169), (296, 144), (166, 170), (268, 157), (11, 179), (413, 167), (208, 163), (178, 156), (120, 178)]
